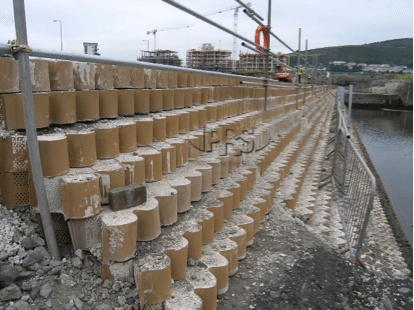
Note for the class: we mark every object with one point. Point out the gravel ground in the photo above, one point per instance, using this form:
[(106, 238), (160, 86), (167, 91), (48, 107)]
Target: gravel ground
[(289, 267)]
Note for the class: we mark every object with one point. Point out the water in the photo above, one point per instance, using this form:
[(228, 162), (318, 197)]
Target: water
[(388, 138)]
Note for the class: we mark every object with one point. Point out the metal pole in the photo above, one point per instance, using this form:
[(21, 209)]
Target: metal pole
[(297, 98), (300, 36), (5, 49), (61, 37), (30, 124), (253, 49), (213, 23), (280, 40), (267, 56), (304, 96), (351, 89), (306, 50), (270, 85), (250, 10)]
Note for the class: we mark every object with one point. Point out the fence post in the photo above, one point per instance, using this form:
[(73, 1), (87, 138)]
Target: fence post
[(30, 124), (351, 89), (267, 58), (297, 98), (304, 95)]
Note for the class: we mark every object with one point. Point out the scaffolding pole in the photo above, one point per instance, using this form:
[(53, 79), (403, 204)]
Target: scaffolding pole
[(22, 49)]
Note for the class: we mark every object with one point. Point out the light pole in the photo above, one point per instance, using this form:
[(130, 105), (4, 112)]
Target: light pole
[(147, 44), (61, 40)]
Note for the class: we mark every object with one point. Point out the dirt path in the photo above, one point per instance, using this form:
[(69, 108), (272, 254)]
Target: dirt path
[(289, 267)]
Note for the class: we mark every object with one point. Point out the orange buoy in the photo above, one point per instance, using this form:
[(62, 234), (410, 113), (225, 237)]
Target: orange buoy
[(260, 29)]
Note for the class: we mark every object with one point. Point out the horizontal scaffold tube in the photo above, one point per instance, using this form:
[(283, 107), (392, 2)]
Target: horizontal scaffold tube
[(5, 49), (213, 23)]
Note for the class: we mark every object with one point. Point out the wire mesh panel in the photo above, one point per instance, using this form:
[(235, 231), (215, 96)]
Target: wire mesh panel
[(355, 185)]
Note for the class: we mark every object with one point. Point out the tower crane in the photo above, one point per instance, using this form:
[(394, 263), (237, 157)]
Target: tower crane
[(235, 22), (154, 31)]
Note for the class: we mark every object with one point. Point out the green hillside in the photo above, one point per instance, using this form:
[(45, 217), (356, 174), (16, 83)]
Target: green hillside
[(398, 52)]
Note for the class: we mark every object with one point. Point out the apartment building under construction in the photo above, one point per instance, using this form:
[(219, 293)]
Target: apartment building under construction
[(164, 57), (257, 62), (210, 59)]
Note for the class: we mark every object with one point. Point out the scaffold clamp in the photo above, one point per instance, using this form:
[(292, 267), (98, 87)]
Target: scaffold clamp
[(21, 48)]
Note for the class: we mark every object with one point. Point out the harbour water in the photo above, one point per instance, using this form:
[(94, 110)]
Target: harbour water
[(388, 138)]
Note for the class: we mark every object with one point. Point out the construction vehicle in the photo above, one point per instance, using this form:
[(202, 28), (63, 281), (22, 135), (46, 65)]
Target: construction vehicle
[(281, 73)]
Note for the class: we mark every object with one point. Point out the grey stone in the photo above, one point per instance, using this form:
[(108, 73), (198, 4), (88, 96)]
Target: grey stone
[(34, 267), (103, 307), (35, 292), (39, 241), (28, 243), (31, 258), (273, 294), (8, 273), (54, 271), (121, 300), (79, 253), (97, 282), (116, 287), (46, 290), (67, 280), (21, 253), (69, 306), (4, 255), (85, 275), (77, 262), (26, 274), (29, 285), (387, 303), (191, 262), (132, 294), (42, 250), (404, 290), (20, 305), (78, 303), (107, 283), (11, 292)]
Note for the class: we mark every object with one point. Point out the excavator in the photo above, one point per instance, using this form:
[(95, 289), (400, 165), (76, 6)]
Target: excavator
[(281, 73)]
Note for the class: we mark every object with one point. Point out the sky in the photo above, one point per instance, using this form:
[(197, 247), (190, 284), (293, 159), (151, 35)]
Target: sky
[(120, 27)]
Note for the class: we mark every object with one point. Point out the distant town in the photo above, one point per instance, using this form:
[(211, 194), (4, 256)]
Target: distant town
[(380, 68)]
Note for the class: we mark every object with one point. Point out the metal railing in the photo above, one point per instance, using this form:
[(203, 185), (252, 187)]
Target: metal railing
[(354, 183)]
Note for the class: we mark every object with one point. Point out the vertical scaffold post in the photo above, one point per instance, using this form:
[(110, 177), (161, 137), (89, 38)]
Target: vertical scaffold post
[(30, 124), (297, 98), (304, 95), (300, 37), (267, 56), (351, 89)]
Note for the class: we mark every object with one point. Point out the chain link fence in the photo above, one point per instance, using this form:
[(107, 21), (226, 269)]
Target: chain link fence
[(354, 184)]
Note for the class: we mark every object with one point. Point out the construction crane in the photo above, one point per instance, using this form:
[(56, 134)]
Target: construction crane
[(154, 32), (235, 22)]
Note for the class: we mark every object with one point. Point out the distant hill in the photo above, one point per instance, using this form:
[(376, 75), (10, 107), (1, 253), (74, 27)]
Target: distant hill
[(398, 52)]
